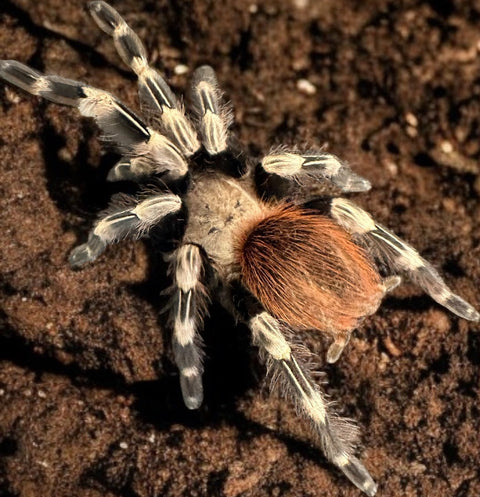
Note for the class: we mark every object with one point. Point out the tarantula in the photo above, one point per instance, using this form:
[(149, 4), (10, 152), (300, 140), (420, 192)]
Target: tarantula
[(264, 239)]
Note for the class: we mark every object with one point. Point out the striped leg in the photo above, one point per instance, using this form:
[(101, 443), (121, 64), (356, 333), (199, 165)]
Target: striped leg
[(146, 151), (133, 219), (214, 116), (338, 436), (399, 256), (301, 168), (189, 307), (154, 92)]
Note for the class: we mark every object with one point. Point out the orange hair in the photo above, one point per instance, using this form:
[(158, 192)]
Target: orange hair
[(307, 271)]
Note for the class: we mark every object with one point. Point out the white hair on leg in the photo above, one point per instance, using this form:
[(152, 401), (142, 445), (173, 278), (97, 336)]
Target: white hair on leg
[(338, 436), (213, 115), (155, 94), (126, 221), (189, 303), (304, 166)]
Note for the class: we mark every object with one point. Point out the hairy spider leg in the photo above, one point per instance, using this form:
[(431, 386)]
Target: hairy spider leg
[(214, 117), (301, 168), (160, 104), (338, 436), (399, 256), (189, 306), (157, 99), (132, 219), (146, 151)]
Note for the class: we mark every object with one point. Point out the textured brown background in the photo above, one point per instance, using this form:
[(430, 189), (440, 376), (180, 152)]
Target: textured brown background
[(89, 402)]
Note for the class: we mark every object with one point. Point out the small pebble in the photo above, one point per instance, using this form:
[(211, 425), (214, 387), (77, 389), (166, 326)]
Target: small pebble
[(306, 87), (446, 147), (412, 132), (391, 167), (411, 119), (391, 347), (180, 69), (301, 4)]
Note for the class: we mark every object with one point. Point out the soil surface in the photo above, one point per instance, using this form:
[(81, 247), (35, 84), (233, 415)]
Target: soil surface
[(89, 396)]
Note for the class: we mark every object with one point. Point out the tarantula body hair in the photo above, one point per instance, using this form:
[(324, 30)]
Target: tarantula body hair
[(294, 260), (332, 279)]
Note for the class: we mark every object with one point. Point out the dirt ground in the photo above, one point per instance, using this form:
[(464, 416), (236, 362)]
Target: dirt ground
[(89, 398)]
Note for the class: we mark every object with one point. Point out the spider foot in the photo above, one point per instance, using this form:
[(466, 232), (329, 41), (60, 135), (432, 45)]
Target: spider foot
[(87, 252), (355, 471)]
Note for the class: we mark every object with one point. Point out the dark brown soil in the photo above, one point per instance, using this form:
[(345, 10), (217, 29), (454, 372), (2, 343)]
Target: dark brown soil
[(90, 404)]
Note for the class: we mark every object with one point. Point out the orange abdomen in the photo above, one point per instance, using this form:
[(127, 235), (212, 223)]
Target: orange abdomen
[(307, 271)]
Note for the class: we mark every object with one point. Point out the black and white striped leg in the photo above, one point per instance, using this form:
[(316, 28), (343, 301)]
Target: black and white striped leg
[(132, 219), (302, 167), (338, 436), (189, 307), (214, 117), (155, 94), (399, 256), (146, 151)]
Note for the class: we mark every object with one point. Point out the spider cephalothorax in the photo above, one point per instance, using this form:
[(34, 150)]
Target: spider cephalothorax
[(292, 260)]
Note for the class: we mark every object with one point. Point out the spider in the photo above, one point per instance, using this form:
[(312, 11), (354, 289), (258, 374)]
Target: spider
[(273, 241)]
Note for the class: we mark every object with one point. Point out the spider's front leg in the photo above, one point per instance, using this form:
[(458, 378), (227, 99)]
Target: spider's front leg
[(189, 304), (146, 151), (156, 96), (213, 116), (398, 255), (213, 119), (125, 218), (338, 436)]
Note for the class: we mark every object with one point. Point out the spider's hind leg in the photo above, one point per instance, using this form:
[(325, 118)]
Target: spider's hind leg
[(287, 362), (189, 305), (399, 256), (338, 436)]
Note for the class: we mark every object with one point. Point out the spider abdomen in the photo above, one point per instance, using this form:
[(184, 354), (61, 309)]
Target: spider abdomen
[(307, 271)]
